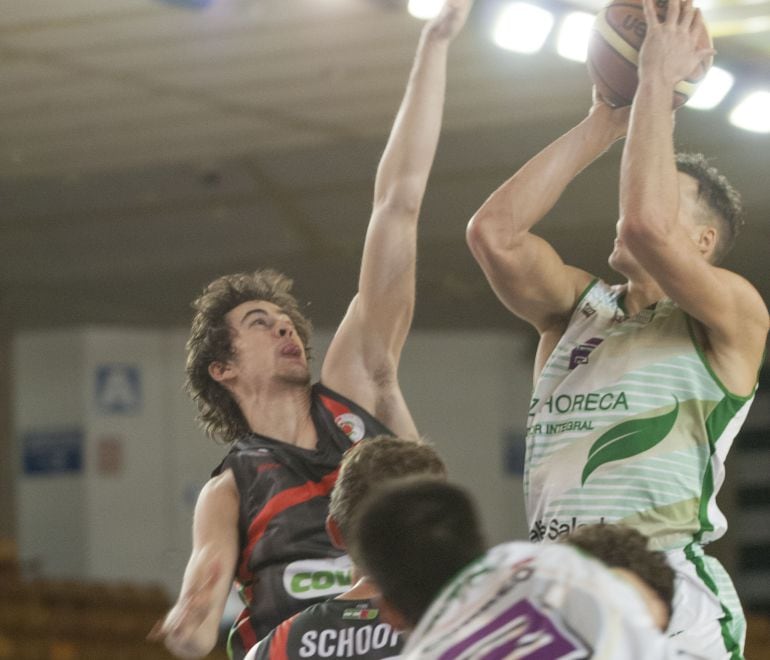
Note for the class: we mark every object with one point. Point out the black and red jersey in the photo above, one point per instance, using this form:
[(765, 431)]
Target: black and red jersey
[(334, 629), (286, 560)]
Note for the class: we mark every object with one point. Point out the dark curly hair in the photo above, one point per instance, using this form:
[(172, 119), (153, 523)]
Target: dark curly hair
[(720, 201), (211, 341)]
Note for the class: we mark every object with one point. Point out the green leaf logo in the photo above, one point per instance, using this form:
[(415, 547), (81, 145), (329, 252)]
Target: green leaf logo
[(629, 439)]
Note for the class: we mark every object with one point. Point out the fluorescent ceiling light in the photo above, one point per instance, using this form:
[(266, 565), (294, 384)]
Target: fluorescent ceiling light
[(753, 113), (573, 36), (712, 89), (425, 9), (522, 27)]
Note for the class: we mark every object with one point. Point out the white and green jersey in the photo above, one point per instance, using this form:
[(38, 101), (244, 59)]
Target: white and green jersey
[(628, 424)]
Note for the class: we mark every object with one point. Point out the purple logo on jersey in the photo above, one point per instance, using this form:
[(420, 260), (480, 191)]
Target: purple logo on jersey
[(521, 631), (580, 354)]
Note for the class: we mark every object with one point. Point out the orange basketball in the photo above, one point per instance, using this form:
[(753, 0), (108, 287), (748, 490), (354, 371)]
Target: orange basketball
[(613, 53)]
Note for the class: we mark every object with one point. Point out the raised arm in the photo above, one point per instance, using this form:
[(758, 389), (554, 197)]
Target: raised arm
[(524, 271), (660, 207), (191, 627), (362, 360)]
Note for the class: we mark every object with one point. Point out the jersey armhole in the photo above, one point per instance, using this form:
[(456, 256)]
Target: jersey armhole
[(590, 286), (351, 405), (704, 360), (583, 296)]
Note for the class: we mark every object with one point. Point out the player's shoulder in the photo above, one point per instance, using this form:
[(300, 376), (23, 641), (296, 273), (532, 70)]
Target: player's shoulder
[(748, 320)]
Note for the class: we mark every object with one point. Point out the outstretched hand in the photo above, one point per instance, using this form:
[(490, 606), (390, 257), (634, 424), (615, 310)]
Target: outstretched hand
[(671, 50), (451, 19), (177, 629)]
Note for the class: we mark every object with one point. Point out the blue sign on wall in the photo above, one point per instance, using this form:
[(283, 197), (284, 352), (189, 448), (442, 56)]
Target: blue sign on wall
[(118, 389), (52, 452)]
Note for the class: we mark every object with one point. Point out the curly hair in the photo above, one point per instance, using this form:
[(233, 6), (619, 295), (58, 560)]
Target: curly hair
[(211, 341), (721, 202), (373, 461), (618, 546)]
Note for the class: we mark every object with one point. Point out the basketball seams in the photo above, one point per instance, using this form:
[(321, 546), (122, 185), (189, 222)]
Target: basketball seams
[(614, 39), (619, 97), (613, 44)]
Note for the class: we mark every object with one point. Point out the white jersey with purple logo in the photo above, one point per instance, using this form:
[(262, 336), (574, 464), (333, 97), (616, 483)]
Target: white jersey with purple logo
[(540, 602)]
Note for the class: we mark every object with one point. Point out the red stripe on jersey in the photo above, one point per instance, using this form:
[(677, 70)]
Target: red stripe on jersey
[(245, 631), (280, 641), (279, 503), (334, 407)]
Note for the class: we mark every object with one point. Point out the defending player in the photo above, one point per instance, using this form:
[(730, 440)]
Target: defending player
[(350, 625), (420, 542), (260, 519), (639, 388)]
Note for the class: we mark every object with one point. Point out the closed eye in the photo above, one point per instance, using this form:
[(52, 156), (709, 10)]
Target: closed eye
[(255, 317)]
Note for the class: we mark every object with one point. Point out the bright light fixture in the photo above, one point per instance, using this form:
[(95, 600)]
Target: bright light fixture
[(573, 36), (424, 9), (522, 27), (712, 89), (753, 113)]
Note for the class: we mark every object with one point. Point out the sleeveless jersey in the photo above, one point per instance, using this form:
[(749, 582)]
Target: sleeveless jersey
[(286, 559), (628, 424), (522, 600), (332, 629)]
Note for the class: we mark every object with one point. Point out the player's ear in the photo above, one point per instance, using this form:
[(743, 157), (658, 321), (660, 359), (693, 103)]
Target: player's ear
[(335, 534), (707, 240), (220, 371)]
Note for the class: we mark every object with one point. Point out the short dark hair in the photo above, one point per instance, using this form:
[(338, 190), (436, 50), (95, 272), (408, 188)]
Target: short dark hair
[(721, 202), (411, 536), (375, 460), (211, 341), (619, 546)]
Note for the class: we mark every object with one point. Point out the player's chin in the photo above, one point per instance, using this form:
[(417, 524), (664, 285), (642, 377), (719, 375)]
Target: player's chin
[(296, 374)]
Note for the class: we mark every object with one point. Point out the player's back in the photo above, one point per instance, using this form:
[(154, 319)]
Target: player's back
[(336, 628), (522, 599)]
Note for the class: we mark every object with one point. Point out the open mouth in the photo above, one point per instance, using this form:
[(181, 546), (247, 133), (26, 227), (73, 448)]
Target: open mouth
[(291, 350)]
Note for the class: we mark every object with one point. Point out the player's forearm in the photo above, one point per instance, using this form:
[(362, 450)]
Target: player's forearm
[(406, 162), (649, 185), (525, 199), (195, 644)]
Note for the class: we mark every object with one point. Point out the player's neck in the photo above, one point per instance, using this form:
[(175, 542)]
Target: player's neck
[(281, 413), (363, 589), (641, 293)]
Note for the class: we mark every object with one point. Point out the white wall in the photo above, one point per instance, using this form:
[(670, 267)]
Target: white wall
[(127, 514), (48, 374)]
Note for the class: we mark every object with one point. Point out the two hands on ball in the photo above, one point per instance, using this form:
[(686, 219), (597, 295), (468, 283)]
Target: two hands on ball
[(672, 48)]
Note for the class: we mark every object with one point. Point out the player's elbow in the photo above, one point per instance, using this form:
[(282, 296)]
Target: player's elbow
[(486, 235), (479, 235), (637, 232)]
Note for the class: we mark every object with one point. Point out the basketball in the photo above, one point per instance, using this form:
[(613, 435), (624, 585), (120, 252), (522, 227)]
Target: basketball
[(613, 53)]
